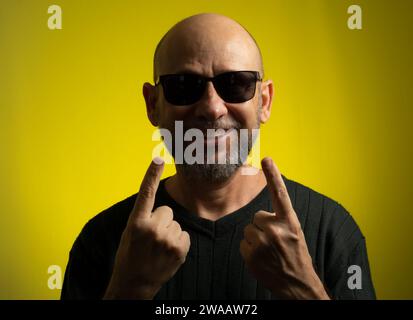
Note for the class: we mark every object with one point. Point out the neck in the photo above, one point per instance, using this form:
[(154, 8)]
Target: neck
[(215, 200)]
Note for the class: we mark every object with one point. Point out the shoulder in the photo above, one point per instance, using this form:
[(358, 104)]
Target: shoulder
[(105, 228), (334, 240), (323, 218)]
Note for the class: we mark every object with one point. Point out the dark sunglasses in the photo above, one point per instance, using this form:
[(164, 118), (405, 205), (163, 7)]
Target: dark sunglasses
[(188, 88)]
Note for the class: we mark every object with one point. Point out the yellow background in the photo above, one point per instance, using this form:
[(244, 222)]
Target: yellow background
[(75, 138)]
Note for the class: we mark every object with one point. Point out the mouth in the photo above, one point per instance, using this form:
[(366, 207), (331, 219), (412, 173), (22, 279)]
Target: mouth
[(212, 136), (216, 137)]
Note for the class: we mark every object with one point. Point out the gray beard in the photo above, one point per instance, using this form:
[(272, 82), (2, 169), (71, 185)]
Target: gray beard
[(208, 173)]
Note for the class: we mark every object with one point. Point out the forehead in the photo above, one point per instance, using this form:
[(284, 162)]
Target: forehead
[(208, 53)]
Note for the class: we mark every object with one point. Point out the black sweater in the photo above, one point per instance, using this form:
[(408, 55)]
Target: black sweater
[(214, 268)]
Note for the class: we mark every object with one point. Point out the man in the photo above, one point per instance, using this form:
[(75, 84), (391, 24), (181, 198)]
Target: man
[(211, 231)]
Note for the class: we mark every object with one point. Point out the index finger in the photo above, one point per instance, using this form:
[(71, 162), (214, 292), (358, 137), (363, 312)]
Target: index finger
[(280, 199), (146, 197)]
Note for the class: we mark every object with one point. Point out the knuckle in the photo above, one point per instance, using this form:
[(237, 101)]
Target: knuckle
[(147, 192), (183, 245), (181, 254), (165, 212), (294, 237), (165, 209), (282, 192), (175, 226), (186, 239)]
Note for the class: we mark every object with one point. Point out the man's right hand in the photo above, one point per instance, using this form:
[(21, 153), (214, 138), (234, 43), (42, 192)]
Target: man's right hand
[(152, 247)]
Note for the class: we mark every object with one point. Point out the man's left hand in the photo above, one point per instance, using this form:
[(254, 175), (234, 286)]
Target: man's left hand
[(274, 248)]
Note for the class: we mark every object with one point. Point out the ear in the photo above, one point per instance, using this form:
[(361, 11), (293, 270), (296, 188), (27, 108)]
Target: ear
[(149, 93), (267, 92)]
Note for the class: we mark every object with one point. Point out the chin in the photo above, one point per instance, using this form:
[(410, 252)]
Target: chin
[(209, 173)]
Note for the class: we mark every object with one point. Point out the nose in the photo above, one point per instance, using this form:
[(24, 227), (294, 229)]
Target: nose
[(211, 106)]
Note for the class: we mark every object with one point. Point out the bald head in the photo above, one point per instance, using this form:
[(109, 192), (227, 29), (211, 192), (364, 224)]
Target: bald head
[(207, 44)]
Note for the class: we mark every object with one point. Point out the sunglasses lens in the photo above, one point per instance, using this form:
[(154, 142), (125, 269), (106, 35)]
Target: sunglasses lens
[(182, 89), (185, 89), (236, 87)]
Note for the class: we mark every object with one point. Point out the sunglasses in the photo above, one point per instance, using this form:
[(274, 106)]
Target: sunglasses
[(188, 88)]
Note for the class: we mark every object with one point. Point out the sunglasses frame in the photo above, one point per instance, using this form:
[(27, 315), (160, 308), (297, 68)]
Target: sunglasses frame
[(257, 78)]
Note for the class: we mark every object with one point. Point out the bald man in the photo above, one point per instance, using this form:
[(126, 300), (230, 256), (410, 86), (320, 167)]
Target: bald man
[(211, 231)]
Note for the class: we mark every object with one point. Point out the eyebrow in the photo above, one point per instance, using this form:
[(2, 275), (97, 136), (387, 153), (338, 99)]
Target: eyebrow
[(186, 71)]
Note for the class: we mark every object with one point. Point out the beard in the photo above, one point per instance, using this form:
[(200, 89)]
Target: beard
[(233, 158)]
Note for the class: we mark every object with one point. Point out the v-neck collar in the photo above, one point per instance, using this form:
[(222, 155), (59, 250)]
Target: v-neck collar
[(221, 226)]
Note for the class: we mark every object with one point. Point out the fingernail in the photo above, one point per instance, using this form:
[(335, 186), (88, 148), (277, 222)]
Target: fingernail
[(267, 163), (158, 160)]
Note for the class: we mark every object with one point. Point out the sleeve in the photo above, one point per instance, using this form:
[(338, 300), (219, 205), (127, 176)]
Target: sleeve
[(84, 278), (348, 273)]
